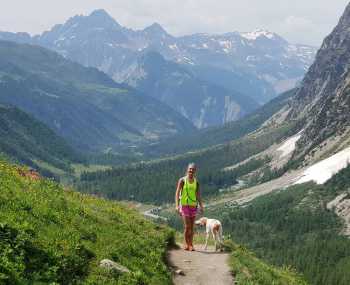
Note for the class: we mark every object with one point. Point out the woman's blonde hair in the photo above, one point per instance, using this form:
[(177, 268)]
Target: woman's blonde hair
[(191, 165)]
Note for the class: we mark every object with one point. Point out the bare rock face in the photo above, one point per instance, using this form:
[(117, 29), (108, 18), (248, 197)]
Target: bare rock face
[(323, 99), (113, 266), (341, 206)]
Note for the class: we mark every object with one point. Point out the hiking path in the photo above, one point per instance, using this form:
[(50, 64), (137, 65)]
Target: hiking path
[(200, 267)]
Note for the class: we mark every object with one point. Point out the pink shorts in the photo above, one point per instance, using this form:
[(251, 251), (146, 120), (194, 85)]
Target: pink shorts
[(189, 211)]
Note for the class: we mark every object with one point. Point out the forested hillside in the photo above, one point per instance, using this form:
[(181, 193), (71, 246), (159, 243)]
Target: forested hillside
[(218, 135), (294, 228), (26, 140), (155, 182), (52, 235), (83, 105)]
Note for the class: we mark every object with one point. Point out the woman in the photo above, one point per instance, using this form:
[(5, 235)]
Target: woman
[(187, 193)]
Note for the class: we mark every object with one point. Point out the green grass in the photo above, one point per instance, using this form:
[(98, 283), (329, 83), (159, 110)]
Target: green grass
[(249, 270), (58, 236)]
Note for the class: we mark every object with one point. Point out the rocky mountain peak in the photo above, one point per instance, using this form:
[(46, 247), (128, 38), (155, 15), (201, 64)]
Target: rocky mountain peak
[(323, 98), (156, 30), (257, 33), (101, 18), (100, 14), (345, 19)]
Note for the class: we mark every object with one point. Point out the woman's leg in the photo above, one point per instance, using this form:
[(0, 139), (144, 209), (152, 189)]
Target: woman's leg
[(187, 228), (191, 221)]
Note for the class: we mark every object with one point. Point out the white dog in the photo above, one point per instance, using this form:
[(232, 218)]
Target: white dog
[(215, 228)]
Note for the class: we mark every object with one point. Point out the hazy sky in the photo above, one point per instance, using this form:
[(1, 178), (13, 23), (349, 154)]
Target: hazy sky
[(299, 21)]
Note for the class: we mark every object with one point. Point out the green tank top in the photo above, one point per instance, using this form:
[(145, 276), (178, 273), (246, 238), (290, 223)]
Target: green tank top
[(189, 193)]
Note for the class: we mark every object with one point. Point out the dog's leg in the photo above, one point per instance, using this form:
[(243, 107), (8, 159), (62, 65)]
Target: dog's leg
[(214, 237), (221, 240), (206, 241)]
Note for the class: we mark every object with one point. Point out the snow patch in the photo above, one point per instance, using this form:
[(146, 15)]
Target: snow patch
[(226, 44), (174, 46), (325, 169), (187, 60), (257, 33), (289, 145)]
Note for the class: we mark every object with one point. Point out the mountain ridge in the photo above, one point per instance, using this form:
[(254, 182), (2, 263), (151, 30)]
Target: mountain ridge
[(260, 63), (81, 104)]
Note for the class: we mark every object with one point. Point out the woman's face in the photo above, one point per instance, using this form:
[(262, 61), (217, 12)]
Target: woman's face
[(191, 171)]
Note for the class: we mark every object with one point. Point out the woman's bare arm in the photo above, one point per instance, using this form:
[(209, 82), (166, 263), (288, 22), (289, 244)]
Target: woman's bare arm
[(177, 194)]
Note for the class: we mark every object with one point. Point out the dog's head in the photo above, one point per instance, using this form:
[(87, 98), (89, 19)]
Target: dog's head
[(201, 222)]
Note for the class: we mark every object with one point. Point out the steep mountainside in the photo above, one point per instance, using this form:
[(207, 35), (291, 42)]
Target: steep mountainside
[(218, 135), (81, 104), (27, 140), (323, 98), (203, 103), (293, 228), (259, 64)]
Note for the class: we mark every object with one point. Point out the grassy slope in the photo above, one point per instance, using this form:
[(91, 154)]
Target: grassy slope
[(26, 140), (49, 234), (250, 270)]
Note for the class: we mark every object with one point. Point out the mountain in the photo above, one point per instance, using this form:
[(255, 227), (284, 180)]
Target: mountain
[(29, 141), (323, 97), (256, 184), (212, 136), (258, 65), (81, 104), (261, 53), (201, 102)]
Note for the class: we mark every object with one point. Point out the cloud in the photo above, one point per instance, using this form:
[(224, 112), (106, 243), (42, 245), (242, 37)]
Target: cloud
[(299, 29), (294, 23), (299, 20)]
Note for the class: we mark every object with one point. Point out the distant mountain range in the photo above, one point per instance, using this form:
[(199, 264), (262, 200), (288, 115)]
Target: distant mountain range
[(202, 102), (83, 105), (229, 74)]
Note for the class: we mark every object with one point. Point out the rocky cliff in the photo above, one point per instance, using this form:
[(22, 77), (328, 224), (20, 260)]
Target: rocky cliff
[(323, 98)]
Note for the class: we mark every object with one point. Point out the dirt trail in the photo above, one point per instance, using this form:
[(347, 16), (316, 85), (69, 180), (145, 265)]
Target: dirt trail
[(201, 267)]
